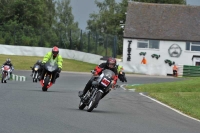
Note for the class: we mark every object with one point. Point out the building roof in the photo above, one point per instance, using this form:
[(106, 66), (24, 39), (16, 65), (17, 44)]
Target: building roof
[(162, 21)]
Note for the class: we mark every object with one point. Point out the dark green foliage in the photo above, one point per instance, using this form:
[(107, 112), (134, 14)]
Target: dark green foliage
[(155, 56), (169, 62), (35, 22), (142, 53)]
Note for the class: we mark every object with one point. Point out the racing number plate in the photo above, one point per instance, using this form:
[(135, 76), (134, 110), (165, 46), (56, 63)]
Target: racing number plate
[(105, 82)]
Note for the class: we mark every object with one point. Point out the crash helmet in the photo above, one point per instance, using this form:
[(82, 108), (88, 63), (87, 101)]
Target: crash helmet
[(111, 62), (8, 61), (55, 51)]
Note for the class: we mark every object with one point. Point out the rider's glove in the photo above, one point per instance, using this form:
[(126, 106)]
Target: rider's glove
[(95, 74), (42, 64), (59, 70)]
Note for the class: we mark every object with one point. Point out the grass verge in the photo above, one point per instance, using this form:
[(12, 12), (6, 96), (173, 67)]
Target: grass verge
[(181, 95), (24, 63)]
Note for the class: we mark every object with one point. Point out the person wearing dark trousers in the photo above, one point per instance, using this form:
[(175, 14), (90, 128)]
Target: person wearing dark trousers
[(52, 56)]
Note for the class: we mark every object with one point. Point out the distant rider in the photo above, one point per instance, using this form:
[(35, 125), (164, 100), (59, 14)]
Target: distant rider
[(52, 56), (110, 64), (37, 63), (8, 62)]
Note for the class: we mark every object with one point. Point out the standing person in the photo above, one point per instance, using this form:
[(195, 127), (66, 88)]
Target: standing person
[(144, 61), (175, 70), (53, 56), (8, 62)]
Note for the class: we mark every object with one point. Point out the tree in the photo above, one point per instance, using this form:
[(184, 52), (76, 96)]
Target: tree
[(65, 22)]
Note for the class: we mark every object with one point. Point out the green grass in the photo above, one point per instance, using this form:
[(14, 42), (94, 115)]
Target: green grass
[(182, 95), (24, 63)]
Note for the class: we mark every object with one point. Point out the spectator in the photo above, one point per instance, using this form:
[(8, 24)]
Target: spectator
[(144, 61), (175, 69)]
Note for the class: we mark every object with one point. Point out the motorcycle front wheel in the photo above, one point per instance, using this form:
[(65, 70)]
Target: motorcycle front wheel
[(46, 82), (3, 77), (93, 103)]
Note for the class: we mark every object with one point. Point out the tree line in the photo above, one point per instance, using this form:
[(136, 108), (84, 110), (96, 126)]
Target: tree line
[(46, 23)]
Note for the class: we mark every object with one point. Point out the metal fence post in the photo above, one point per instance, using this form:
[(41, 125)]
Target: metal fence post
[(96, 43), (106, 45), (88, 42), (81, 41), (114, 47), (70, 39)]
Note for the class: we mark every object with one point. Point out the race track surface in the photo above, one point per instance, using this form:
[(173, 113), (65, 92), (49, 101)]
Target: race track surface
[(25, 108)]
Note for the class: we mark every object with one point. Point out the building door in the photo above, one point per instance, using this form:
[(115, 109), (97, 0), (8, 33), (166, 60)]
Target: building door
[(197, 63)]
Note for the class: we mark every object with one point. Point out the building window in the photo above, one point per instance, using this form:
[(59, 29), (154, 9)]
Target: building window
[(193, 46), (187, 45), (151, 44)]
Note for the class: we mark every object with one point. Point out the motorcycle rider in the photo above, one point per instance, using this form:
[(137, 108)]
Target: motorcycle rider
[(8, 62), (38, 62), (110, 64), (121, 74), (119, 68), (55, 57)]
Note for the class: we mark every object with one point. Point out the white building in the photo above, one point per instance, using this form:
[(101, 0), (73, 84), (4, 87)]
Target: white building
[(171, 31)]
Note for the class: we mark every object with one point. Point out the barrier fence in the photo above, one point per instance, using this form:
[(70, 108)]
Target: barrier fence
[(98, 43), (188, 71)]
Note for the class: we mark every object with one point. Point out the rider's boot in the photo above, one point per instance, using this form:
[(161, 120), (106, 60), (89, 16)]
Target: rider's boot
[(80, 94), (8, 76)]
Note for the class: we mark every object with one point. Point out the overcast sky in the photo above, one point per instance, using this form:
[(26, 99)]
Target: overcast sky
[(82, 8)]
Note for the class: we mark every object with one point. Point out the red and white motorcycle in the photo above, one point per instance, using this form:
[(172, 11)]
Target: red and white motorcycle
[(5, 73)]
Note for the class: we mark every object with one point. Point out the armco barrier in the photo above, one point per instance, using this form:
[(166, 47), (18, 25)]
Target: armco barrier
[(191, 71), (18, 78)]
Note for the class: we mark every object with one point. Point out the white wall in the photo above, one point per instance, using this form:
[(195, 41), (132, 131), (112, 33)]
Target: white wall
[(154, 65), (40, 51)]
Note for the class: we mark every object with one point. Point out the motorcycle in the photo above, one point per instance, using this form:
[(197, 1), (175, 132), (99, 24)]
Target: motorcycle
[(100, 85), (50, 68), (121, 74), (36, 72), (5, 71), (122, 77)]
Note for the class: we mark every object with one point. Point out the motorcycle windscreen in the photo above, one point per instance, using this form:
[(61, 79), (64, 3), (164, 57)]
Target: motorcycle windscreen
[(106, 77), (51, 66), (108, 73), (6, 68)]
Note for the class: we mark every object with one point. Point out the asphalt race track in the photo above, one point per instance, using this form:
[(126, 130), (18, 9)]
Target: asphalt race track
[(25, 108)]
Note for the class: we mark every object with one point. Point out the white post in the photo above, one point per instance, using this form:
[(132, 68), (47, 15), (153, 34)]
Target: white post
[(22, 78), (180, 70), (13, 76), (17, 78)]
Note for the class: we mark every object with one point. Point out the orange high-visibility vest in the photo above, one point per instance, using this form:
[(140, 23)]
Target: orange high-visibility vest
[(175, 68), (144, 61)]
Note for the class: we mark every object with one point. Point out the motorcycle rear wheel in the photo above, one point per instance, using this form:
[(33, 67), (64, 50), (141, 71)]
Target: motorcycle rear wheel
[(94, 102)]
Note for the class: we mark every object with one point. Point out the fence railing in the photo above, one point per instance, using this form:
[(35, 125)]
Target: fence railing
[(85, 41)]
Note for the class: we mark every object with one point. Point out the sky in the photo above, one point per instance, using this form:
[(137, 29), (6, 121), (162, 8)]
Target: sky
[(82, 8)]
